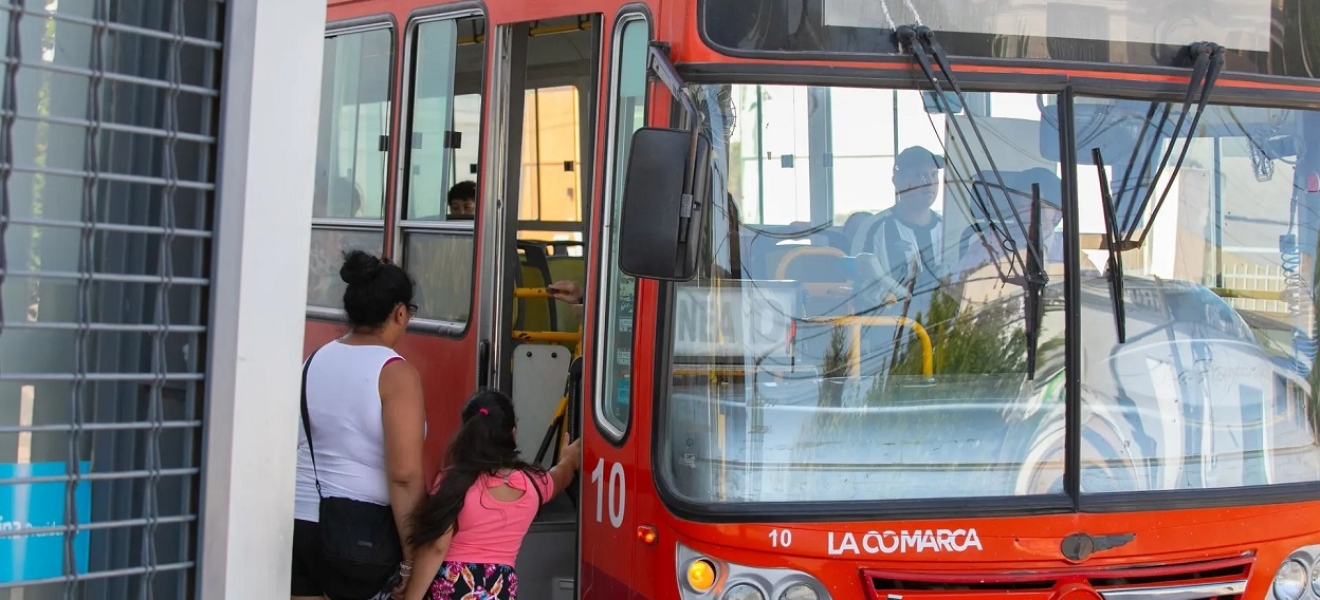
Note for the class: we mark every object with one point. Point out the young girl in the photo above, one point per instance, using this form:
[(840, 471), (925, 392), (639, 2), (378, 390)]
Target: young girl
[(466, 536)]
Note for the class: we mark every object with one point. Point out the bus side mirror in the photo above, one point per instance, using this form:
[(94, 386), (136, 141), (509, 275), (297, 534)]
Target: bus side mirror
[(660, 225)]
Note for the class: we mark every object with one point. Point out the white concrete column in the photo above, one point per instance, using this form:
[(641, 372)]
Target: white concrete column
[(269, 109)]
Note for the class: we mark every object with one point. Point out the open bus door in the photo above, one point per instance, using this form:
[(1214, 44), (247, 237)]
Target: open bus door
[(616, 422), (541, 235)]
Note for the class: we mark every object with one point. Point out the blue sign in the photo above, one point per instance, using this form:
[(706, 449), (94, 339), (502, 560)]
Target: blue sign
[(40, 506)]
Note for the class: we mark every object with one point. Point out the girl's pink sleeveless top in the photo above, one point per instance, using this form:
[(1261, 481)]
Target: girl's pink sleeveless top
[(491, 531)]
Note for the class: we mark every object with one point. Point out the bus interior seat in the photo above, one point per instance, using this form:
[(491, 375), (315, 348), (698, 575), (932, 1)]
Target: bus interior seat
[(826, 285), (773, 254), (834, 238), (813, 264), (562, 247), (536, 313), (755, 250), (852, 223)]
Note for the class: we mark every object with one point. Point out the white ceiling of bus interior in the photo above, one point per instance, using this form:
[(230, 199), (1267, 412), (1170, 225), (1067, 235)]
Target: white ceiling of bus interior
[(552, 58)]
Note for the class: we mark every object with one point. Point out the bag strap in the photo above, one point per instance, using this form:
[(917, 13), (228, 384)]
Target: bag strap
[(307, 425)]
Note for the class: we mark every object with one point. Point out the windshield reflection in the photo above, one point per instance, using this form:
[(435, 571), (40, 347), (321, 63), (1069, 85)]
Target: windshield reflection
[(859, 327)]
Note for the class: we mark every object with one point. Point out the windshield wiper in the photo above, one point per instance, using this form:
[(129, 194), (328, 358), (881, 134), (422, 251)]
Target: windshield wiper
[(1209, 63), (1119, 236), (1034, 287), (921, 43), (1114, 270)]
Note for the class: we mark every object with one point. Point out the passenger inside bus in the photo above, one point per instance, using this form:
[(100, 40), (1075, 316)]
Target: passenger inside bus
[(463, 201), (343, 200), (901, 249)]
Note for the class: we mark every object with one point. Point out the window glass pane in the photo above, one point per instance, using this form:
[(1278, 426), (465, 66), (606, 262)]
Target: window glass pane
[(552, 181), (324, 287), (443, 165), (355, 113), (1212, 387), (465, 164), (615, 404), (441, 262), (431, 134), (877, 349)]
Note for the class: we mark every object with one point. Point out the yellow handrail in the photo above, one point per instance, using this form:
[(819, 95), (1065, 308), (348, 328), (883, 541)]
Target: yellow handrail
[(553, 337), (539, 292), (857, 322)]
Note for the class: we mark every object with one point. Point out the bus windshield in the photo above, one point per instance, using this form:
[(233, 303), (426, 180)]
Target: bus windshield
[(882, 308)]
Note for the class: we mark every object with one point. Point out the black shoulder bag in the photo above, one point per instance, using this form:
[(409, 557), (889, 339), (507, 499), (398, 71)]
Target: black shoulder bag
[(358, 538)]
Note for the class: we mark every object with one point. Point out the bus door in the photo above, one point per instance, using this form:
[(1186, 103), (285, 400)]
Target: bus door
[(538, 237), (435, 239), (616, 421)]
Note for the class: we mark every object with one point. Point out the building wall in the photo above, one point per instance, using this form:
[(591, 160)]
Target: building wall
[(133, 194)]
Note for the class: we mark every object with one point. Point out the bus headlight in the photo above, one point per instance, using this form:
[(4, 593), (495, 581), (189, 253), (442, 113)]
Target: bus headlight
[(1290, 582), (704, 577), (799, 591), (744, 591)]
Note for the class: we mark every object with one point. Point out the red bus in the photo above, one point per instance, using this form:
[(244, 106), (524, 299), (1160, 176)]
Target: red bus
[(884, 298)]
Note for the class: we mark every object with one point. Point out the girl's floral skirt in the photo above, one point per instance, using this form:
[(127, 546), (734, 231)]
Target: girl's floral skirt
[(469, 581)]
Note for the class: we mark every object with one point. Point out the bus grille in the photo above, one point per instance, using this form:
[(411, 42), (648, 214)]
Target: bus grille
[(1209, 580)]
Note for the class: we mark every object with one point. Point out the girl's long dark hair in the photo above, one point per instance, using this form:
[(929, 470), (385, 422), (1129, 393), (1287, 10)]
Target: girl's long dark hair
[(484, 444)]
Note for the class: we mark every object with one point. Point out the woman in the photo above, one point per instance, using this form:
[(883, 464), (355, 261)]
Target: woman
[(466, 536), (367, 426)]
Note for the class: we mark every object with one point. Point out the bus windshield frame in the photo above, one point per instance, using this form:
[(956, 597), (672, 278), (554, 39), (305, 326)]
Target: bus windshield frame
[(697, 484)]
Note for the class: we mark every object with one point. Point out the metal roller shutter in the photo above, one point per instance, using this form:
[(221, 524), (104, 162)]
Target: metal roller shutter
[(108, 121)]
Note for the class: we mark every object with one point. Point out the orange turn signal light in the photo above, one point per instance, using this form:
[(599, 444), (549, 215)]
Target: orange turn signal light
[(701, 575)]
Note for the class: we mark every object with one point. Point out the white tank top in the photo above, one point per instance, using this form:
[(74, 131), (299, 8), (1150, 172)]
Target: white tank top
[(343, 399)]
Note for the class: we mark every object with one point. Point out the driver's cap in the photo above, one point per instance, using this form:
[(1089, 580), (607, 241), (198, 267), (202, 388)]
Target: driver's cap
[(917, 157)]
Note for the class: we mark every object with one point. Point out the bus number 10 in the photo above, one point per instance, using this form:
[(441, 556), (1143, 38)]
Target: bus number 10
[(781, 538), (617, 499)]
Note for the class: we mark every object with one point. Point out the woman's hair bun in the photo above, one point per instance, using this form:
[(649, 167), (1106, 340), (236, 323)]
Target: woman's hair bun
[(360, 267)]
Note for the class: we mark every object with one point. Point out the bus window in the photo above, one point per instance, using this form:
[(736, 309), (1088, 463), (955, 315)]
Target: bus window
[(349, 195), (614, 407), (443, 129), (1212, 387), (806, 371)]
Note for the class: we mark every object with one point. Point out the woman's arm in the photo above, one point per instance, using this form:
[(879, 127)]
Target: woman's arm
[(426, 565), (403, 415), (570, 460)]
